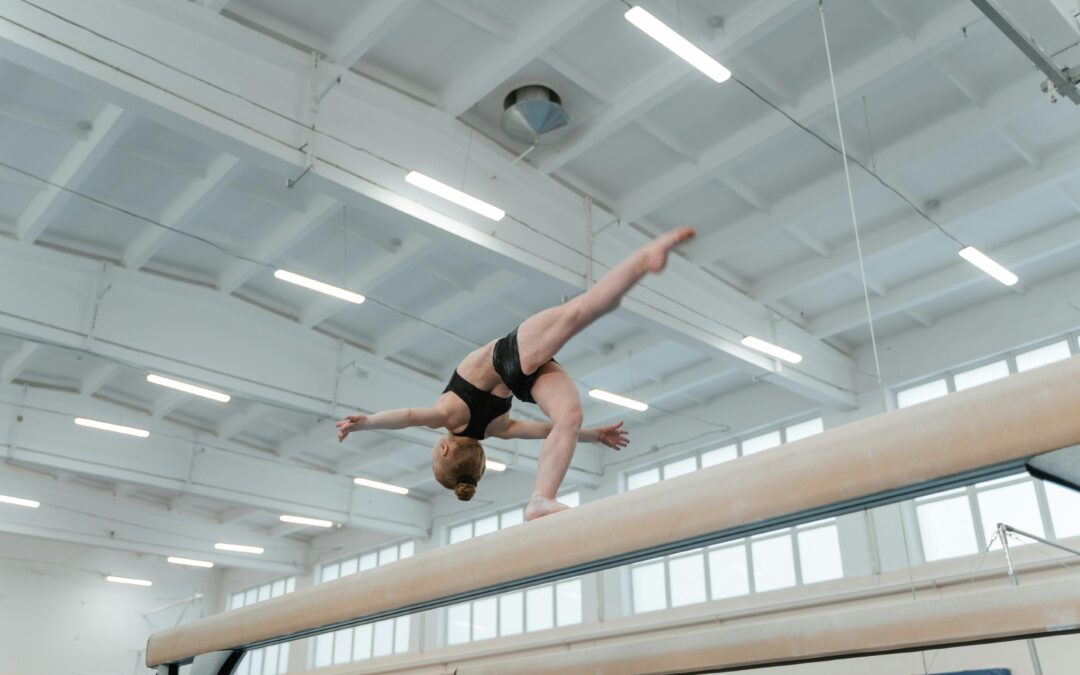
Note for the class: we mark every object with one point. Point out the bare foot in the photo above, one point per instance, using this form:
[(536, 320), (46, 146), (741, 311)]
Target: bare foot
[(539, 507), (656, 253)]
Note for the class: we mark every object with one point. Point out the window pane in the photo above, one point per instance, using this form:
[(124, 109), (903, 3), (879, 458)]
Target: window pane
[(251, 597), (457, 624), (485, 525), (727, 572), (283, 656), (236, 601), (687, 580), (680, 467), (243, 668), (384, 638), (362, 642), (257, 660), (369, 561), (774, 563), (539, 609), (401, 634), (643, 478), (981, 375), (718, 456), (571, 499), (648, 586), (343, 645), (568, 602), (270, 654), (329, 573), (947, 528), (324, 650), (290, 584), (759, 443), (1064, 510), (921, 393), (264, 592), (805, 429), (511, 518), (348, 567), (511, 613), (278, 588), (388, 555), (819, 554), (460, 533), (1014, 505), (406, 550), (483, 619), (1042, 356)]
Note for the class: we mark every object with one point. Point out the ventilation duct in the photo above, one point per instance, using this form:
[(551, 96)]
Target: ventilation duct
[(534, 114)]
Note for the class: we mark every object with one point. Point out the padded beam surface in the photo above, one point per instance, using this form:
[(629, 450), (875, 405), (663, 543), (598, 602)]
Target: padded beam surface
[(1061, 467), (1003, 423)]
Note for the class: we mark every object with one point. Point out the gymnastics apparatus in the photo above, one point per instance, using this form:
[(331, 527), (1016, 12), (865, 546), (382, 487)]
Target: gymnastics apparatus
[(1028, 421)]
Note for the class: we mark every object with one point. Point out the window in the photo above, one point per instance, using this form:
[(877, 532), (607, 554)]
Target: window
[(801, 555), (981, 375), (272, 660), (537, 608), (1035, 358), (921, 393), (390, 636)]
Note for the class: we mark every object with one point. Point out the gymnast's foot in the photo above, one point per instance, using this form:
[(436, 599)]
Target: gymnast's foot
[(656, 253), (540, 506)]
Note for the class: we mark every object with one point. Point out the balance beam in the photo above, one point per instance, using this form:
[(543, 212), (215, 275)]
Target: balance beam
[(969, 436)]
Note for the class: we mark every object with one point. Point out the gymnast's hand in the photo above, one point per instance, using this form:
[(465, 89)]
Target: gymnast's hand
[(349, 424), (613, 436)]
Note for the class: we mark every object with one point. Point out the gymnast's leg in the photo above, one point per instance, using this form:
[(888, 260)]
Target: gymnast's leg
[(557, 396), (542, 335)]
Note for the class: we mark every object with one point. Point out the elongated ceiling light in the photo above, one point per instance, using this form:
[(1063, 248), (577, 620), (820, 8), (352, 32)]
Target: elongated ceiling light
[(239, 548), (115, 428), (379, 485), (189, 562), (495, 466), (454, 195), (618, 400), (319, 286), (683, 48), (988, 265), (300, 520), (127, 580), (19, 501), (188, 388), (771, 349)]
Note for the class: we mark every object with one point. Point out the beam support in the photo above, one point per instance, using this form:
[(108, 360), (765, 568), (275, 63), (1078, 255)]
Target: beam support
[(978, 434)]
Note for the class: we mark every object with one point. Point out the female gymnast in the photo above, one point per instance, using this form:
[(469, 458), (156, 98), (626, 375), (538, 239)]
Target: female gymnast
[(476, 403)]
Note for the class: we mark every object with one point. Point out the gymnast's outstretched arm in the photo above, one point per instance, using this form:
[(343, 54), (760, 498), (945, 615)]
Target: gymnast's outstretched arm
[(392, 419), (613, 436)]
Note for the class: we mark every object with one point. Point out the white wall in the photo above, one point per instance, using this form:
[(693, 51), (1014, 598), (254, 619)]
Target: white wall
[(58, 615)]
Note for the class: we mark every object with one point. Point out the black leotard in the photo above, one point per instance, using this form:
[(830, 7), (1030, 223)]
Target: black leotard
[(483, 406)]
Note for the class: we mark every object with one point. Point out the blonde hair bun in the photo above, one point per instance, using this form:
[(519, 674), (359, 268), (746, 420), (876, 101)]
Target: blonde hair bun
[(465, 491)]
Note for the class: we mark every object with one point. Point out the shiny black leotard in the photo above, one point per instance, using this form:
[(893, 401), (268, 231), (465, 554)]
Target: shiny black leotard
[(483, 406)]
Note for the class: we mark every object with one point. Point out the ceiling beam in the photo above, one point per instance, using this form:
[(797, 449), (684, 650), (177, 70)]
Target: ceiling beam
[(98, 377), (553, 20), (896, 57), (280, 239), (237, 422), (375, 19), (72, 171), (167, 403), (180, 213), (676, 384), (15, 364), (956, 276), (667, 80)]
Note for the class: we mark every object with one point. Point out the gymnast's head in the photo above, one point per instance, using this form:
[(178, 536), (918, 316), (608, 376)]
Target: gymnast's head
[(458, 463)]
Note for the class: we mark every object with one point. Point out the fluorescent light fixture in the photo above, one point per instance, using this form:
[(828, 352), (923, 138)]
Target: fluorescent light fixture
[(771, 349), (126, 580), (188, 388), (495, 466), (319, 286), (239, 548), (18, 501), (987, 264), (683, 48), (454, 195), (618, 400), (116, 428), (189, 562), (300, 520), (367, 482)]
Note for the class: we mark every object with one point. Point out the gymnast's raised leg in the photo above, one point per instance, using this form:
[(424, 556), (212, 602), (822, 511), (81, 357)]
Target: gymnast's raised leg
[(540, 338)]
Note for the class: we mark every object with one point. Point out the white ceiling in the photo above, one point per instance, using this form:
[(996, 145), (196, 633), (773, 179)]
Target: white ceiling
[(158, 255)]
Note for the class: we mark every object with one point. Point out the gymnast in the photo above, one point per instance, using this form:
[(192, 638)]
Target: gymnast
[(476, 403)]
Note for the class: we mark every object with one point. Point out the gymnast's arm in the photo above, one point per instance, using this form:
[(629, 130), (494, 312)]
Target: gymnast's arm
[(612, 436), (392, 419)]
